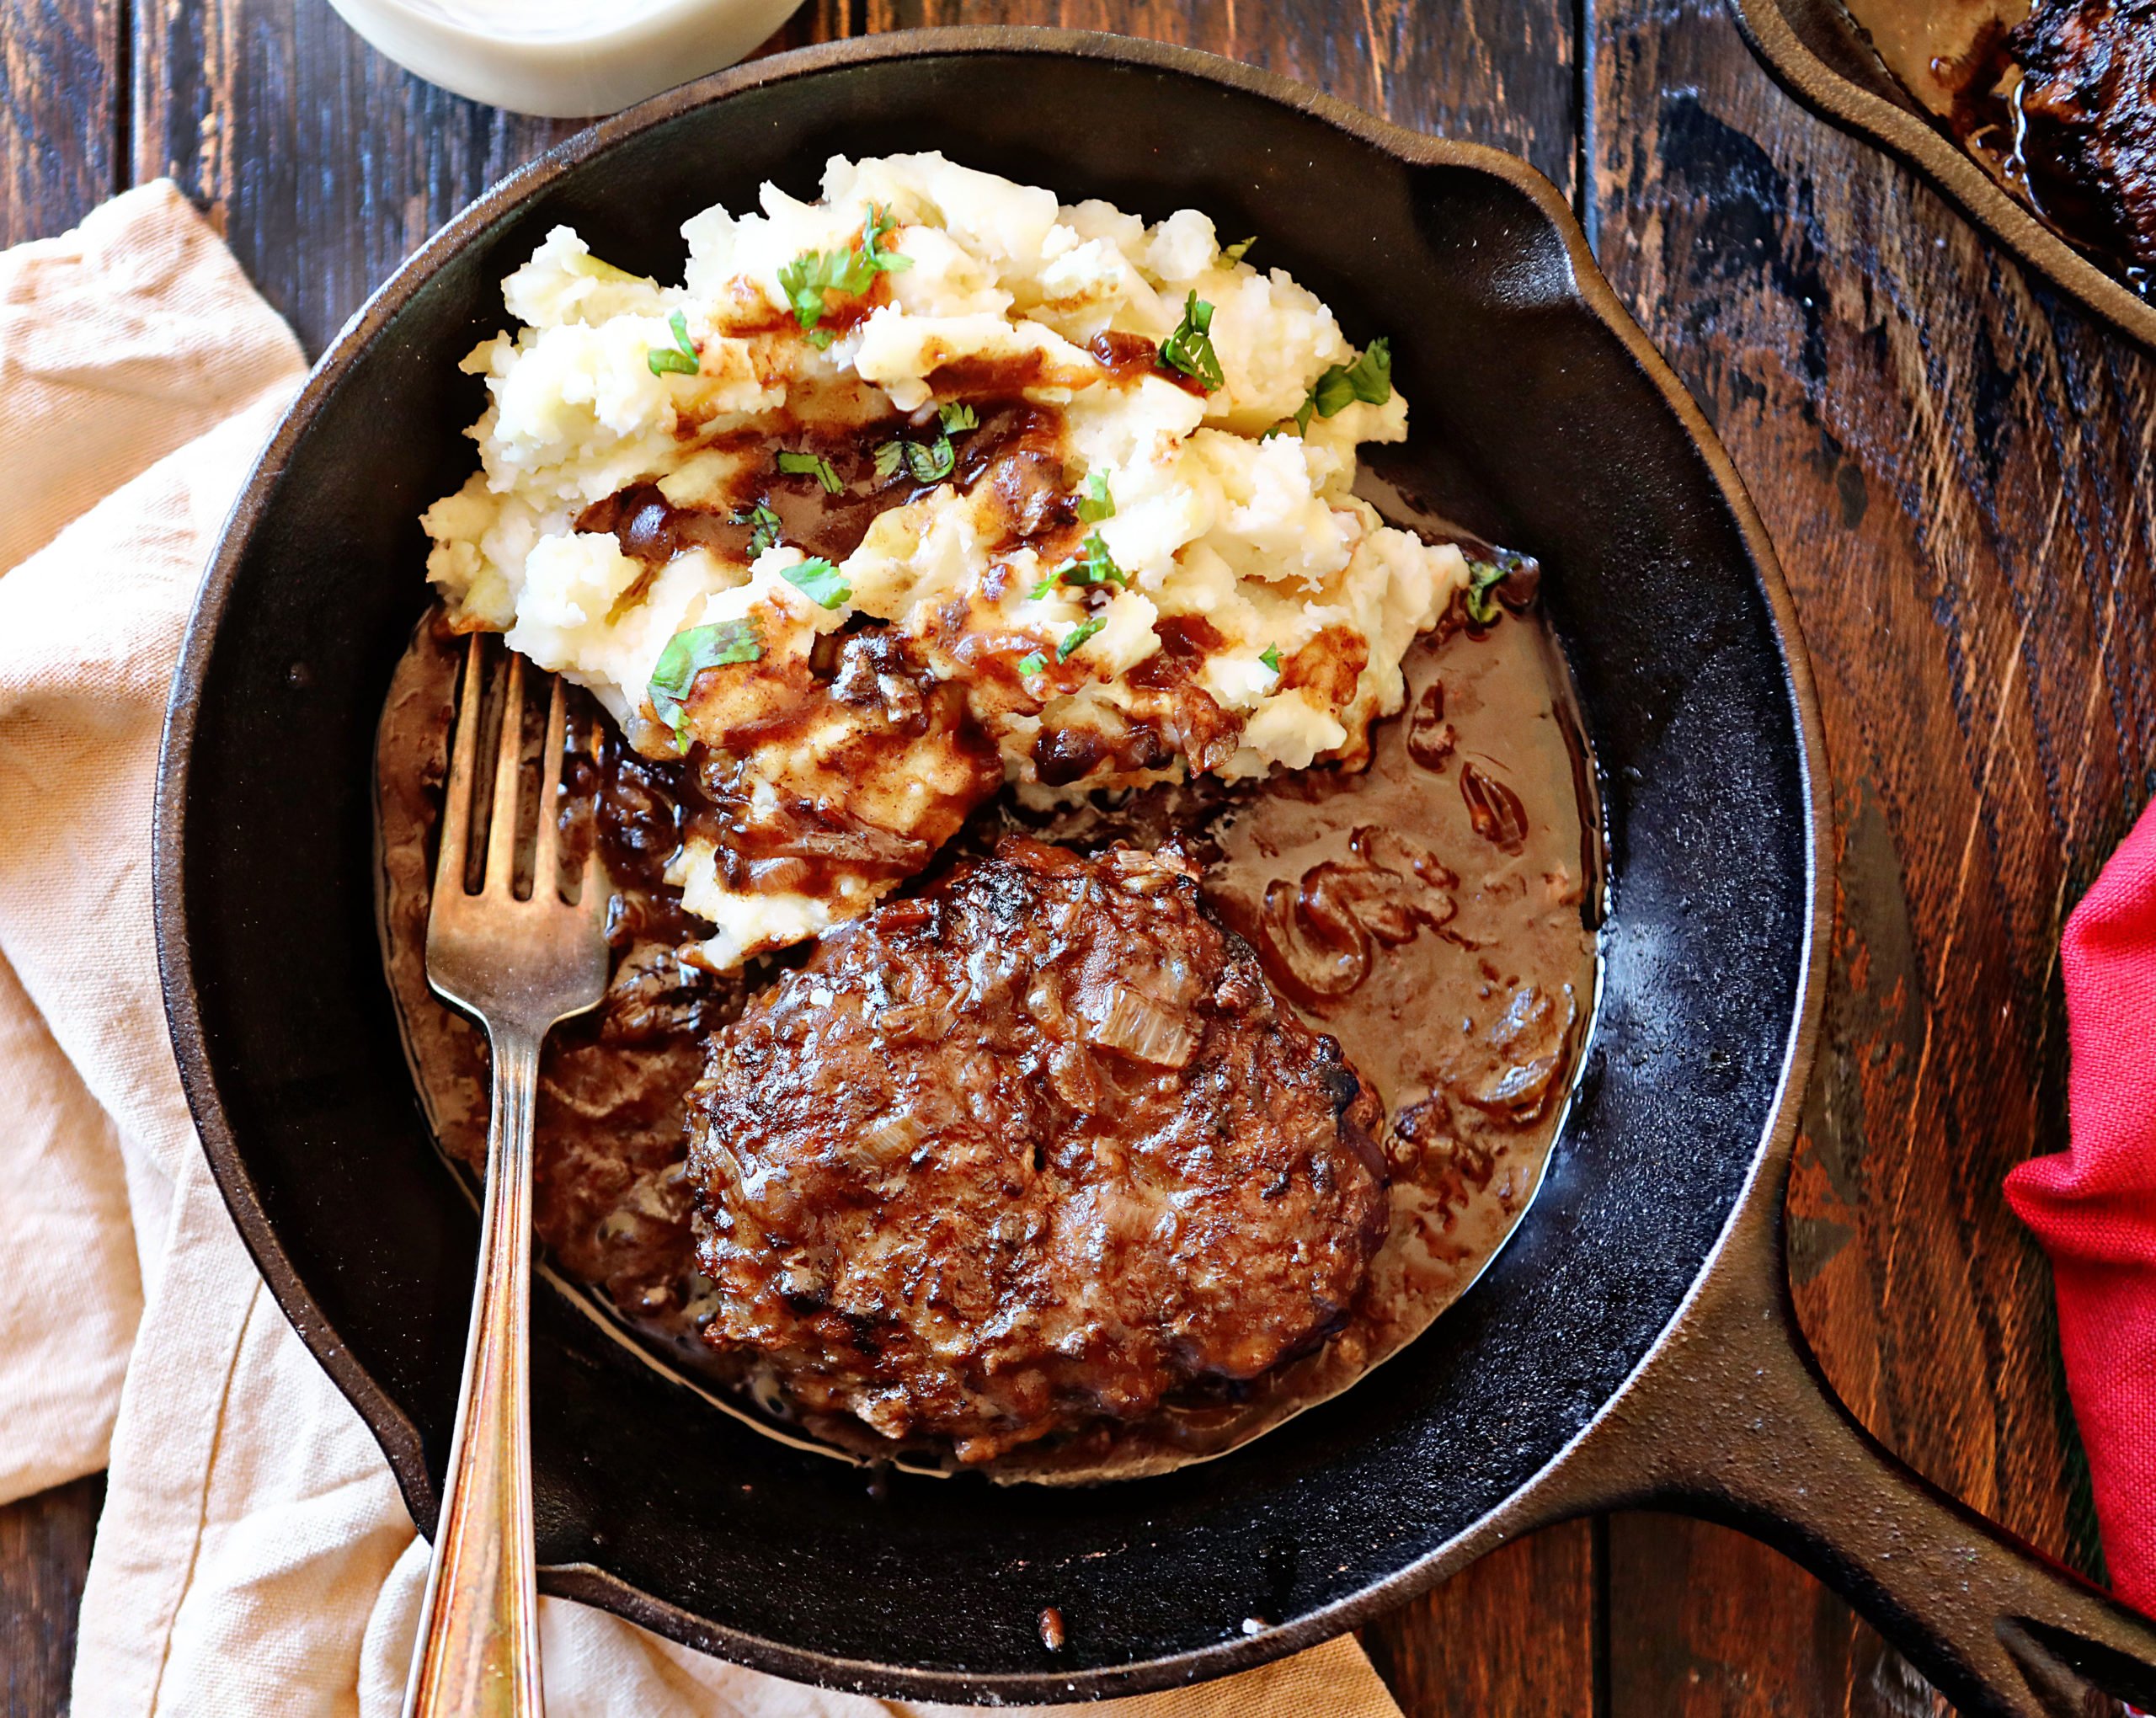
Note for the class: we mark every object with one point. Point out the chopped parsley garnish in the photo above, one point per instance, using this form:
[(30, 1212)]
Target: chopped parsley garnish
[(765, 527), (811, 465), (957, 415), (1236, 252), (688, 654), (926, 461), (681, 359), (881, 222), (1189, 349), (1031, 663), (1483, 579), (1094, 565), (1367, 379), (820, 581), (1077, 636), (1097, 504), (851, 270), (1270, 656)]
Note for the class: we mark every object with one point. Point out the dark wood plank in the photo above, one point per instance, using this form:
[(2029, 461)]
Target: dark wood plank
[(324, 163), (1956, 468), (62, 107), (1513, 1634), (1498, 71), (1705, 1623), (44, 1552)]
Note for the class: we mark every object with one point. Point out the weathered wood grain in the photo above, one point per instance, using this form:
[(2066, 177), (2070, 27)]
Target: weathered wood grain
[(1497, 71), (324, 164), (1703, 1622), (1956, 470), (44, 1550), (1514, 1634), (63, 104)]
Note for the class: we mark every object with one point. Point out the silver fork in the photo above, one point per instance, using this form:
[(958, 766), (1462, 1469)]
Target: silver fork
[(519, 966)]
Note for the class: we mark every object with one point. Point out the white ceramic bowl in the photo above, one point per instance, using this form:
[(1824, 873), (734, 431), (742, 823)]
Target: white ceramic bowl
[(634, 50)]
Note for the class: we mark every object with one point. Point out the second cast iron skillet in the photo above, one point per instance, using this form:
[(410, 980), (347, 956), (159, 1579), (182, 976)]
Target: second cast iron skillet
[(1634, 1343), (1822, 55)]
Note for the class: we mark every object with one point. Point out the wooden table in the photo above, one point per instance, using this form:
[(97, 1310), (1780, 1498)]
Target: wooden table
[(1956, 467)]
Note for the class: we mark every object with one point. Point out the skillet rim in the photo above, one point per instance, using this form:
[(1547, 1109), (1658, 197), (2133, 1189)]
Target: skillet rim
[(1772, 30), (1541, 1498)]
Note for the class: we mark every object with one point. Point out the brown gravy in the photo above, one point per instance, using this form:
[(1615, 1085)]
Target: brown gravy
[(1434, 913)]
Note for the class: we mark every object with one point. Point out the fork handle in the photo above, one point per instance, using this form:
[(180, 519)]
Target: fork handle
[(477, 1655)]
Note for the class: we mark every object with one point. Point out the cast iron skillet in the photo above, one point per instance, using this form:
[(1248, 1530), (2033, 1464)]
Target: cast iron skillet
[(1633, 1343), (1822, 56)]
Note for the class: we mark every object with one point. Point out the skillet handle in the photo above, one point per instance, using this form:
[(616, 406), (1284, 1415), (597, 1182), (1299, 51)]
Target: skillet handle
[(1733, 1421)]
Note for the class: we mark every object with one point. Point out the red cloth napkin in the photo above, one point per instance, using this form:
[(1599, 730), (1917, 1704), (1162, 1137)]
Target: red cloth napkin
[(2094, 1205)]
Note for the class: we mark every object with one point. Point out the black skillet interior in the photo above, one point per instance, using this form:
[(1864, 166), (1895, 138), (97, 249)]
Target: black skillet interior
[(1534, 422)]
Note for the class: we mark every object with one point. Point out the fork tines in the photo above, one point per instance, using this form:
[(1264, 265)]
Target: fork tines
[(506, 823)]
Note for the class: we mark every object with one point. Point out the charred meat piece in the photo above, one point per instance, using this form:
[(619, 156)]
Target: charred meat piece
[(1033, 1149), (2089, 96)]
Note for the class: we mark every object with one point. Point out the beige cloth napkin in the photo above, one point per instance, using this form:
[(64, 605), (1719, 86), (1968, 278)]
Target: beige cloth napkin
[(253, 1557)]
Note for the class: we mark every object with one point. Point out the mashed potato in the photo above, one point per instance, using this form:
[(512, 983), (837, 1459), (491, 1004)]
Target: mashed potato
[(932, 484)]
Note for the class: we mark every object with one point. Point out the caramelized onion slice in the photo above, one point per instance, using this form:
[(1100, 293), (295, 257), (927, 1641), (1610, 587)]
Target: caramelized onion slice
[(1126, 1020)]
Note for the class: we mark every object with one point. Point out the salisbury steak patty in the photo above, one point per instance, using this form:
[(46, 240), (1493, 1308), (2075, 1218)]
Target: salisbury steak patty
[(1037, 1147)]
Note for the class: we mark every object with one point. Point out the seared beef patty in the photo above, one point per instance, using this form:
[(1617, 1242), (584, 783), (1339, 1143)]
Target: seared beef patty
[(1036, 1148), (2090, 100)]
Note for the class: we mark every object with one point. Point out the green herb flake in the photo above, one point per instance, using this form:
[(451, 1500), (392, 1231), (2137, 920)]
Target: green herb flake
[(811, 465), (1097, 504), (1077, 636), (925, 461), (851, 271), (765, 527), (820, 581), (956, 415), (682, 360), (880, 223), (931, 462), (1092, 565), (688, 654), (1484, 577), (1031, 663), (1095, 566), (1236, 252), (1189, 349), (1270, 656), (1367, 379)]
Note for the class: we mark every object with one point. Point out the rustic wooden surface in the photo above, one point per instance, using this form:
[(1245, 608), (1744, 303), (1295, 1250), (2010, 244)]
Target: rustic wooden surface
[(1957, 469)]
